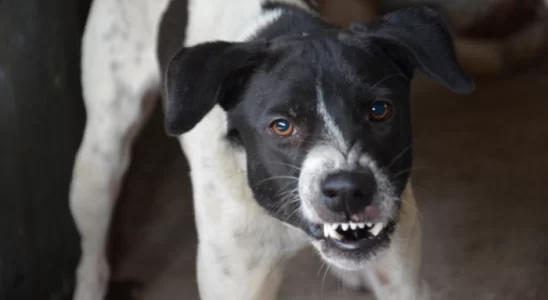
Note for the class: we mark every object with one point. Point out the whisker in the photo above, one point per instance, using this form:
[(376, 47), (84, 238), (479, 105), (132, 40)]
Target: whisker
[(284, 164), (278, 177), (412, 206), (403, 172), (283, 189), (400, 155), (384, 79), (323, 281), (285, 201), (286, 193), (291, 214), (321, 267), (412, 169)]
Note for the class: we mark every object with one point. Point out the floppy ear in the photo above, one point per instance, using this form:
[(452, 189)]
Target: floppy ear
[(199, 77), (416, 37)]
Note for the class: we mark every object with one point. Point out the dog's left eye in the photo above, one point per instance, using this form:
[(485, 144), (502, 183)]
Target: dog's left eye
[(282, 127), (380, 111)]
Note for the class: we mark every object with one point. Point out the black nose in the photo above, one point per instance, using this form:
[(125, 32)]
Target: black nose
[(349, 192)]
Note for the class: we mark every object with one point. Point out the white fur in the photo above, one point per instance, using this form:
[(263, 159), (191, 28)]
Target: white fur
[(241, 249), (266, 19), (333, 132), (320, 160)]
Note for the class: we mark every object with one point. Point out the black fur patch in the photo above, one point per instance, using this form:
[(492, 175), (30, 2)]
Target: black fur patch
[(172, 30)]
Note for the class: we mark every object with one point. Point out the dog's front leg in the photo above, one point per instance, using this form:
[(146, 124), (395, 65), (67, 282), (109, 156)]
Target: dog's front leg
[(242, 262), (233, 272), (241, 251)]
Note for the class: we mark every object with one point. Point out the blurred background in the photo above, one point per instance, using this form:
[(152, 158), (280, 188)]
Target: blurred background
[(481, 164)]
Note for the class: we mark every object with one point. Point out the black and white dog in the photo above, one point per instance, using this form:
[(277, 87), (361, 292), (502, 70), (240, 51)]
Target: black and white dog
[(296, 132)]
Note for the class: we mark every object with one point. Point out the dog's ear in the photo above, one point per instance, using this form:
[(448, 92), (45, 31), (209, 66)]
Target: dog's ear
[(415, 37), (199, 77)]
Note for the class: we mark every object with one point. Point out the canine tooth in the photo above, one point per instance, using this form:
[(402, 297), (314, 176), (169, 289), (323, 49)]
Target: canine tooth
[(344, 226), (330, 232), (336, 235), (334, 226), (353, 226), (376, 229), (361, 225)]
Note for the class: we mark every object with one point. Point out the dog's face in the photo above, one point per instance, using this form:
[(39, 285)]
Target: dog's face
[(323, 119), (327, 136)]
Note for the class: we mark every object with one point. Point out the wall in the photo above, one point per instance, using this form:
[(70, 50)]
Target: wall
[(41, 123)]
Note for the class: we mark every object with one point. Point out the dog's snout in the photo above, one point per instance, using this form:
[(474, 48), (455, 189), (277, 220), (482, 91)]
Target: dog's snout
[(349, 192)]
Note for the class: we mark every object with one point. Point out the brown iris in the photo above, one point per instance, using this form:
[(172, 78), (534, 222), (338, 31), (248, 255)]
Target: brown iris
[(380, 111), (282, 127)]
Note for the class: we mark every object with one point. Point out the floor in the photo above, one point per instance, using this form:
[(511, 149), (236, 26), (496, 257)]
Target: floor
[(481, 171)]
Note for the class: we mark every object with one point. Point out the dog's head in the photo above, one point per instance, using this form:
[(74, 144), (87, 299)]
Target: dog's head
[(323, 119)]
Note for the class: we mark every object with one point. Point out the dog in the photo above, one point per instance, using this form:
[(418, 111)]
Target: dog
[(297, 132)]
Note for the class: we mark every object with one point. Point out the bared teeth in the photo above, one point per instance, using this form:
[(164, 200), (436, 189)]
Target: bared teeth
[(332, 230), (336, 235), (376, 229), (329, 231)]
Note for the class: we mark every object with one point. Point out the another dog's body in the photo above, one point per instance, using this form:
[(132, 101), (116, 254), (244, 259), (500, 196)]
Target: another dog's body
[(242, 247)]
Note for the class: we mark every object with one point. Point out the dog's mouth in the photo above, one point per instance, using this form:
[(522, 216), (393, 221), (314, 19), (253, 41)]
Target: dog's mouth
[(357, 236), (351, 243)]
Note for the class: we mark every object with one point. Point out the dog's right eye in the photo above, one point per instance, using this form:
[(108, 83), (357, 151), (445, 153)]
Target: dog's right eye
[(380, 111), (282, 127)]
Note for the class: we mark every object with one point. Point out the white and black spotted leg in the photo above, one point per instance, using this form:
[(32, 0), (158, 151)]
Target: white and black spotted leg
[(241, 250), (247, 266), (120, 84)]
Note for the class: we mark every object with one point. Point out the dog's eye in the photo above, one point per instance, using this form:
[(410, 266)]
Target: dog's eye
[(282, 127), (380, 111)]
